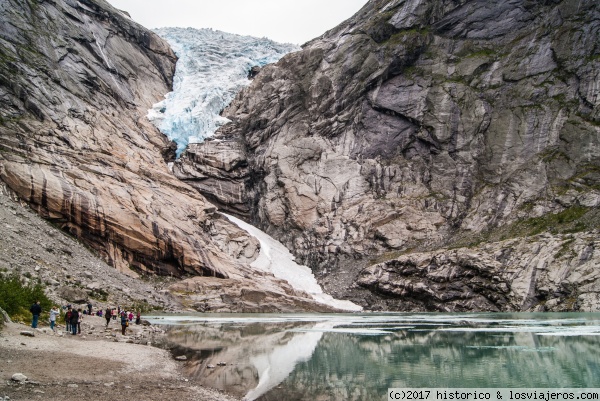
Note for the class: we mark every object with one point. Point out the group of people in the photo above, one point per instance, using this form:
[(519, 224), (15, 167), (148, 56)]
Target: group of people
[(125, 316), (74, 317)]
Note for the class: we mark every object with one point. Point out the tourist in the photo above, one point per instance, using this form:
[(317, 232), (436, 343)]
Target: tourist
[(138, 317), (89, 305), (35, 310), (68, 319), (130, 316), (124, 322), (54, 313), (114, 314), (108, 315), (74, 321), (79, 321)]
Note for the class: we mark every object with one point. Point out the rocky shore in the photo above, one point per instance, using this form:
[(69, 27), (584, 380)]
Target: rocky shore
[(99, 364)]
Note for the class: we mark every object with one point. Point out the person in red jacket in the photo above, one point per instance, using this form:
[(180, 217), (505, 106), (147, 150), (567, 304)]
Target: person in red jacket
[(68, 319)]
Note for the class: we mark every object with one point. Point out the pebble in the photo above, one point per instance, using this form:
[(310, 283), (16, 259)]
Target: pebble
[(181, 358), (27, 333), (19, 377), (72, 385)]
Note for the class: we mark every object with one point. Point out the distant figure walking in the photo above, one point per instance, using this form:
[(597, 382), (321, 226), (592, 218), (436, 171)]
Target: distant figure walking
[(35, 310), (54, 313), (89, 305), (108, 315), (124, 323), (114, 314), (74, 321), (138, 317)]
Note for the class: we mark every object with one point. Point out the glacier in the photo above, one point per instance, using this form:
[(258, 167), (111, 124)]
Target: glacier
[(212, 68)]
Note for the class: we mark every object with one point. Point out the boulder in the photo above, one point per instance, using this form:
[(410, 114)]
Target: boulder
[(4, 316), (73, 295)]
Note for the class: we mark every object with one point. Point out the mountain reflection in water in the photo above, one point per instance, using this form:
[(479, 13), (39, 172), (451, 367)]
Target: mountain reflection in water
[(358, 356)]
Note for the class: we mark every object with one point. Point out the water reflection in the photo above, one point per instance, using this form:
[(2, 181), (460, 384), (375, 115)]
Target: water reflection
[(357, 357)]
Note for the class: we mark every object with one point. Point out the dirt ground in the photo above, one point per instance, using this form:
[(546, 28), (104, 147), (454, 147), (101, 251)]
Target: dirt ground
[(99, 364)]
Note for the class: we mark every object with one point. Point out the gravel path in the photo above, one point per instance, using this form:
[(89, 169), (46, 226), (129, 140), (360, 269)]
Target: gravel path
[(100, 365)]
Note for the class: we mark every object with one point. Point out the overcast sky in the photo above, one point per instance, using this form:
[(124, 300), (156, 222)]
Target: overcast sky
[(290, 21)]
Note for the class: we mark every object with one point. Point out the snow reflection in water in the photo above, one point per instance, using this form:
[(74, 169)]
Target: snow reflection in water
[(358, 356)]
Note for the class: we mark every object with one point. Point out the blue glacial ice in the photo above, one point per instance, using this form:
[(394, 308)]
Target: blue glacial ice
[(212, 68)]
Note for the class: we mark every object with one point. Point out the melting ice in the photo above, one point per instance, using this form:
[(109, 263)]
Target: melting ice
[(212, 68), (277, 259)]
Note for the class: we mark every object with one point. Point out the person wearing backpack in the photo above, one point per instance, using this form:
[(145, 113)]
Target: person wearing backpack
[(124, 322)]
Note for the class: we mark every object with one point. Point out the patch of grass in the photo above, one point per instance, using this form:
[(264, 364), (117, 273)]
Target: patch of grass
[(16, 298), (99, 294), (564, 248), (571, 220), (141, 305), (386, 256), (488, 53), (554, 223)]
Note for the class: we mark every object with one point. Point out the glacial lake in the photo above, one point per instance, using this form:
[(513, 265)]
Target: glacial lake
[(358, 356)]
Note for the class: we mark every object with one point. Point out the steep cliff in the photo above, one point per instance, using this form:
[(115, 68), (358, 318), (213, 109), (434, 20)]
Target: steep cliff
[(424, 126), (77, 78)]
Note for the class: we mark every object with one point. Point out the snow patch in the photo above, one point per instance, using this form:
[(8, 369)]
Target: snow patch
[(276, 259)]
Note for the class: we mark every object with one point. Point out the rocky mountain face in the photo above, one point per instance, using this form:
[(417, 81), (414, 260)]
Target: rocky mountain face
[(77, 78), (427, 155)]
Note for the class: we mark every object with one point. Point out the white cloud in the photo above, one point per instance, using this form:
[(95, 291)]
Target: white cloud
[(295, 21)]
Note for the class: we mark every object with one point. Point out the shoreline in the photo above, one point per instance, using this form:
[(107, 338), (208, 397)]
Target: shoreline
[(99, 364)]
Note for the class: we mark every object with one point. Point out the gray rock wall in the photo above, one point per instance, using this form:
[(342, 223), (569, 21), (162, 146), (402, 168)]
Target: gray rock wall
[(416, 125)]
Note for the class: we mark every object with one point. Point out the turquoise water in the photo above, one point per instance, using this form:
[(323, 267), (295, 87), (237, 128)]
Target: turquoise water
[(321, 357)]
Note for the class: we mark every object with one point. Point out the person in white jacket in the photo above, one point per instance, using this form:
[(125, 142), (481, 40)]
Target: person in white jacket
[(54, 313)]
